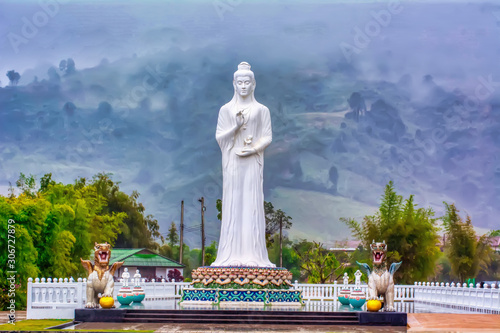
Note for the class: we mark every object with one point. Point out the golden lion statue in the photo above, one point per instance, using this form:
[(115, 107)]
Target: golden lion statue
[(100, 278)]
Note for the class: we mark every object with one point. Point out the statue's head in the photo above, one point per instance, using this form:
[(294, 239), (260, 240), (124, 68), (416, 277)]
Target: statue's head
[(102, 253), (244, 80), (378, 252)]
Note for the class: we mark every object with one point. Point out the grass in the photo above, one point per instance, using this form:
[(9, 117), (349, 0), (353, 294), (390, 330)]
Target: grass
[(32, 324), (42, 324)]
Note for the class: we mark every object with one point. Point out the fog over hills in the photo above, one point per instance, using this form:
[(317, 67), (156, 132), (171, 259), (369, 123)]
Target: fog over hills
[(418, 105)]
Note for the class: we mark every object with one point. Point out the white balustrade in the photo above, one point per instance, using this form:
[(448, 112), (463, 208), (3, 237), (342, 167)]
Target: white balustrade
[(47, 295), (329, 292), (460, 296), (66, 295)]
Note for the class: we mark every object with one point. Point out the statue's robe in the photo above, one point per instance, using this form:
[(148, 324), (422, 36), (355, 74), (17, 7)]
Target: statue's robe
[(243, 232)]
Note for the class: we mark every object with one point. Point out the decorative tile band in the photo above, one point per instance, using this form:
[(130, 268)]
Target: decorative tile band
[(242, 296)]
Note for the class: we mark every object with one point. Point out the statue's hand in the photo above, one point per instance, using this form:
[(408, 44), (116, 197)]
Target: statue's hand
[(247, 151), (240, 119)]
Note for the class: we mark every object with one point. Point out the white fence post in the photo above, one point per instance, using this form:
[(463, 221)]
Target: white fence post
[(459, 296), (29, 298)]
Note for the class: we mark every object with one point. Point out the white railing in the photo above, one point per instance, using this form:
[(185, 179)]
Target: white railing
[(47, 299), (179, 287), (65, 295), (457, 296), (330, 292), (332, 306)]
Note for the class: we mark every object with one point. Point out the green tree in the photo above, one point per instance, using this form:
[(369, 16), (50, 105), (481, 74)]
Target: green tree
[(210, 253), (410, 232), (320, 264), (46, 181), (24, 258), (166, 250), (79, 209), (492, 272), (349, 259), (291, 260), (57, 224), (14, 77), (27, 185), (138, 230), (443, 269), (273, 220), (467, 253), (218, 205), (172, 236)]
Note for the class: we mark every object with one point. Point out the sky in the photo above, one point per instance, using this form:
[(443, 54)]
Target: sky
[(40, 32), (316, 53)]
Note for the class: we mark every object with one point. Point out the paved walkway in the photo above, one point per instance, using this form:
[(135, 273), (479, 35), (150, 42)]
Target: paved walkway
[(417, 322), (446, 322), (198, 328), (4, 316)]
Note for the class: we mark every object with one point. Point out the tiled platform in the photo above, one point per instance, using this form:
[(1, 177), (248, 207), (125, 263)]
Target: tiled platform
[(242, 317)]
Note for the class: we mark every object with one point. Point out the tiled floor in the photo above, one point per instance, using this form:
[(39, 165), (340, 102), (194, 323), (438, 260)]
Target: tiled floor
[(417, 322), (446, 322), (20, 315), (192, 328)]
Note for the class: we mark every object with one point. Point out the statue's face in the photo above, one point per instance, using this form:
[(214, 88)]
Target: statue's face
[(244, 85)]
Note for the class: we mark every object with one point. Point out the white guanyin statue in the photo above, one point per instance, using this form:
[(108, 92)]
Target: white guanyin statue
[(243, 133)]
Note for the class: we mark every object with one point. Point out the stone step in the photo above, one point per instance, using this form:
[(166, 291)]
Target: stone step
[(270, 321), (242, 312), (241, 317), (230, 316)]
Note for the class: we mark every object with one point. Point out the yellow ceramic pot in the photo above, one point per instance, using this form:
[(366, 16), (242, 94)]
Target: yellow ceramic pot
[(373, 305), (107, 302)]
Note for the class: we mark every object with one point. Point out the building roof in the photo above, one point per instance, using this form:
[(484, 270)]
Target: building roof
[(141, 257), (121, 254), (345, 246)]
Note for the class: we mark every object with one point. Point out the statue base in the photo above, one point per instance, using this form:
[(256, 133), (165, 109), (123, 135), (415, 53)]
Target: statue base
[(241, 297), (246, 286)]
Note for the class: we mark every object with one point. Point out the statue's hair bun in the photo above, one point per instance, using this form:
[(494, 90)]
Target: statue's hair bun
[(244, 66)]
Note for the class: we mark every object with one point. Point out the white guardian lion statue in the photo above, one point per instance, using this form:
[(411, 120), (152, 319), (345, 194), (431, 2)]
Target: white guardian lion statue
[(381, 280), (100, 278)]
